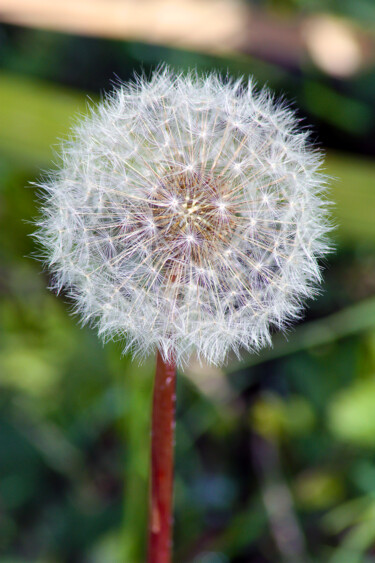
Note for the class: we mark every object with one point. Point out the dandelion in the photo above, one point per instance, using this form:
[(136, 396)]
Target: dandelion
[(188, 217)]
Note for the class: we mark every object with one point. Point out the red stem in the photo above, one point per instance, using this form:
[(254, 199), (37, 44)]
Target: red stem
[(162, 440)]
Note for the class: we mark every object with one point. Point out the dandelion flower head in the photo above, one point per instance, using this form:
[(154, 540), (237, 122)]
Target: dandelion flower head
[(188, 215)]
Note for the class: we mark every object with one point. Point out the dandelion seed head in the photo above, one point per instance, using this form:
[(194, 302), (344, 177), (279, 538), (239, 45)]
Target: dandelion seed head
[(188, 215)]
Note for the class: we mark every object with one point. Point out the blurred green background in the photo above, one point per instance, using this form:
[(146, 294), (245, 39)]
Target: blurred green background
[(275, 456)]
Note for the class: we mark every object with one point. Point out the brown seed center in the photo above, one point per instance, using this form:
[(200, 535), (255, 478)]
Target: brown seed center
[(192, 214)]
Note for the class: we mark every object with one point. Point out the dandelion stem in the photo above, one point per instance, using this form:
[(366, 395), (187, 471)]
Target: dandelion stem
[(162, 439)]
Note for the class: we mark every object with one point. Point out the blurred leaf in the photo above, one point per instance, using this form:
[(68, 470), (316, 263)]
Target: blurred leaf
[(137, 393), (267, 416), (244, 528), (273, 417), (351, 415), (363, 475), (108, 549), (26, 369), (346, 514), (358, 539), (353, 194), (50, 443), (318, 489), (33, 115)]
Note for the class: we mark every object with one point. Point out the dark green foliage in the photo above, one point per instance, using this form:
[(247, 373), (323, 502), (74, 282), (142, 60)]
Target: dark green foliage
[(284, 439)]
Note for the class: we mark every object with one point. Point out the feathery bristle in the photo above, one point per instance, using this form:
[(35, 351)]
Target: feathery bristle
[(187, 216)]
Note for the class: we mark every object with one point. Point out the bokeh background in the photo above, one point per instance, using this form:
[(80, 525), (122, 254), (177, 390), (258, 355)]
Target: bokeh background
[(275, 456)]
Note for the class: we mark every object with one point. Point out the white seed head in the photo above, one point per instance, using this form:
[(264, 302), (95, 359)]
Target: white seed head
[(187, 216)]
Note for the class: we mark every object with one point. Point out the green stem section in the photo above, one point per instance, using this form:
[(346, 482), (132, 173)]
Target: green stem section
[(162, 442)]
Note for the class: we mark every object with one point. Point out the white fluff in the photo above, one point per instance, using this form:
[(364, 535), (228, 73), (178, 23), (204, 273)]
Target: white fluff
[(187, 216)]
